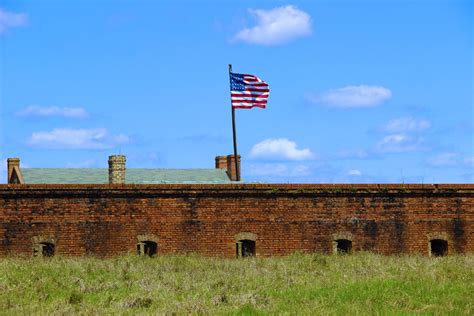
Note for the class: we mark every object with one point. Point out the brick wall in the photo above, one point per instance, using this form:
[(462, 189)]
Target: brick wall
[(106, 220)]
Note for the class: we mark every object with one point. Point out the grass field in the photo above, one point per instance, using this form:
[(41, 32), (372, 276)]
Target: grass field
[(299, 284)]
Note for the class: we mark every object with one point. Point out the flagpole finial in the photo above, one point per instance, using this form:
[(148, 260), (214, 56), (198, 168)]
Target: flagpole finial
[(230, 67)]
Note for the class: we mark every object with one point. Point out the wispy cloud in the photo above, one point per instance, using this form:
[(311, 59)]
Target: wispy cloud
[(352, 97), (276, 26), (450, 159), (444, 160), (354, 172), (47, 111), (279, 149), (405, 124), (399, 143), (94, 138), (10, 20)]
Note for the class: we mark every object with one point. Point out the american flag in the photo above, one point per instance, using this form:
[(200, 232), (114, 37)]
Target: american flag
[(248, 91)]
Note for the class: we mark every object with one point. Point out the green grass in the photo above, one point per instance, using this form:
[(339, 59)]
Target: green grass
[(299, 284)]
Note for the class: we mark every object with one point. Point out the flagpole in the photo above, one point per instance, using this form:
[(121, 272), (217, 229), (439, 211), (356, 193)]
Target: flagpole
[(237, 174)]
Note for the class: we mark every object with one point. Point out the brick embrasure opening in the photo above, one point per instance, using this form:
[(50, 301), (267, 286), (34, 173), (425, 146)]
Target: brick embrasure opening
[(343, 246), (245, 248), (147, 248), (44, 246), (147, 245), (44, 249), (342, 243), (438, 247), (245, 245)]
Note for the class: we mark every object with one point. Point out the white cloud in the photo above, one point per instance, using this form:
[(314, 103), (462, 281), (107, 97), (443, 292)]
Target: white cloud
[(354, 172), (281, 149), (278, 170), (43, 111), (353, 97), (276, 26), (10, 19), (94, 138), (405, 124), (398, 143)]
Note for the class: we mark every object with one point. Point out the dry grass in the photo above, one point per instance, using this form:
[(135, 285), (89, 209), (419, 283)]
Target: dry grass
[(299, 284)]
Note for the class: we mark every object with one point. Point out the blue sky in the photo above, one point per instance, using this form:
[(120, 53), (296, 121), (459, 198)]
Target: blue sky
[(361, 91)]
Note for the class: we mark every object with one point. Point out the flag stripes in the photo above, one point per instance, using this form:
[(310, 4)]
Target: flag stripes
[(248, 91)]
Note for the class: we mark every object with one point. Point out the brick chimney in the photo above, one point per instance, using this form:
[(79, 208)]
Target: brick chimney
[(117, 169), (231, 172), (221, 162), (14, 175), (227, 163)]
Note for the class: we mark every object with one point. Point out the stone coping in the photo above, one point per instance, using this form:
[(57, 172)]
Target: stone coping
[(241, 186), (106, 190)]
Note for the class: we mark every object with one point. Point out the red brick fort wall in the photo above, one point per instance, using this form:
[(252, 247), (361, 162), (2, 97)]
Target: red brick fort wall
[(105, 220)]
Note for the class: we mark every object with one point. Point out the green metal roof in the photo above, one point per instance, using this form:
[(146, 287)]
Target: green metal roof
[(150, 176), (137, 176)]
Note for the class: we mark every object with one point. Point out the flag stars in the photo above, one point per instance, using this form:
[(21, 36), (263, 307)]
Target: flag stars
[(248, 91)]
